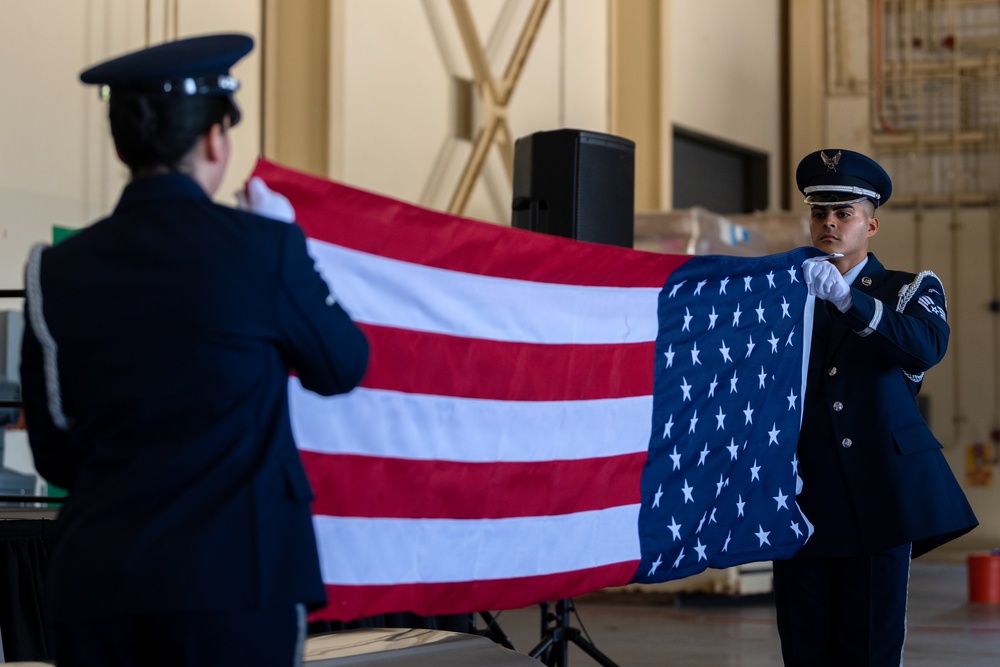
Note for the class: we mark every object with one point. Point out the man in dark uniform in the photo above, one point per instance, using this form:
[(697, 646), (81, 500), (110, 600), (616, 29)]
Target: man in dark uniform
[(876, 485), (155, 371)]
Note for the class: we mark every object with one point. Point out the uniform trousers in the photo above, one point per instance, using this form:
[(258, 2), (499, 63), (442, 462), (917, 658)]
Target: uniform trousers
[(217, 639), (843, 611)]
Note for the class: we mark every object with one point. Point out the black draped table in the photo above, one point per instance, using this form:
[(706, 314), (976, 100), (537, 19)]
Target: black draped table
[(23, 561), (24, 534)]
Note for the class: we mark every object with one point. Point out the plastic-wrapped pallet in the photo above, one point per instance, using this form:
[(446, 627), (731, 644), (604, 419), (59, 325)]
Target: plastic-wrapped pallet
[(697, 231)]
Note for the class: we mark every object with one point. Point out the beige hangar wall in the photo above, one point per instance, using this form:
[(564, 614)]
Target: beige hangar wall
[(724, 75), (404, 122), (58, 165)]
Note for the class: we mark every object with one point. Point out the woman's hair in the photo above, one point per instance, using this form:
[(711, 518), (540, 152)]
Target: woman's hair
[(158, 131)]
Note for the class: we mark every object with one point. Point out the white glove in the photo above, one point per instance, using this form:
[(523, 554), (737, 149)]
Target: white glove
[(824, 281), (262, 200)]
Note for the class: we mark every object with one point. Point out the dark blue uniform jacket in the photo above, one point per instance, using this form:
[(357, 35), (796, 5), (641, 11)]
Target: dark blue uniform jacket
[(168, 331), (874, 475)]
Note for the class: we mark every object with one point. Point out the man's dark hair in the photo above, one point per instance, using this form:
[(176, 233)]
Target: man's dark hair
[(158, 131)]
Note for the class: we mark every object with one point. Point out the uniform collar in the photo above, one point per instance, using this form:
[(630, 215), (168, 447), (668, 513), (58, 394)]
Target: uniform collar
[(172, 185), (854, 271), (871, 275)]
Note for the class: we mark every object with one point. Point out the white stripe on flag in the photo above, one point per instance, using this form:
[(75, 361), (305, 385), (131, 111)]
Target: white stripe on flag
[(374, 422), (388, 292), (400, 551)]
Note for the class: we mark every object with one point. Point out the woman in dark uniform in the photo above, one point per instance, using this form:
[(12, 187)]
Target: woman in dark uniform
[(155, 371)]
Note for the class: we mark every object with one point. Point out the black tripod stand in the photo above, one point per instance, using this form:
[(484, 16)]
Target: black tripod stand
[(553, 649)]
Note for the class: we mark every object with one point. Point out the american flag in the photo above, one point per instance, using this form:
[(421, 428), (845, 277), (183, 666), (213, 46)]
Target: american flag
[(506, 446)]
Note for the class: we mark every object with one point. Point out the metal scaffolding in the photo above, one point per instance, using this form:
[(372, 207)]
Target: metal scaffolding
[(936, 97)]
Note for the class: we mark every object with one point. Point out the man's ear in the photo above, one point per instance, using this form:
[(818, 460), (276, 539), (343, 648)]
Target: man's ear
[(872, 227)]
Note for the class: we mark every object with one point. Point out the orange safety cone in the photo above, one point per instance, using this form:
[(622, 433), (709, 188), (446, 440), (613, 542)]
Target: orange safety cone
[(984, 577)]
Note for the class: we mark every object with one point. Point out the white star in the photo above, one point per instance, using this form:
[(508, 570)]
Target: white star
[(773, 340), (703, 455), (720, 486), (680, 557), (772, 435), (770, 278), (762, 535), (736, 316), (688, 498), (795, 464), (725, 547), (669, 354), (725, 352), (754, 469), (673, 292), (700, 548), (780, 499), (695, 361), (760, 312), (675, 529), (701, 283), (687, 320), (750, 346), (732, 383), (791, 398), (748, 413), (784, 308), (746, 283), (668, 427), (711, 318), (733, 450), (712, 385), (694, 421), (740, 505), (721, 419), (686, 388), (676, 458), (791, 335), (712, 519), (762, 377), (701, 523), (791, 274), (795, 528), (657, 496), (657, 563), (722, 285)]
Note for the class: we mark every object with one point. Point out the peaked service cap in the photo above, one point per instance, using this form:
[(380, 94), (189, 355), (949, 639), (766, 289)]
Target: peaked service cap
[(190, 66), (840, 176)]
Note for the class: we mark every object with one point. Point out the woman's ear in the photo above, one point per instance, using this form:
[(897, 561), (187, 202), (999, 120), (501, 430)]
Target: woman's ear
[(216, 143)]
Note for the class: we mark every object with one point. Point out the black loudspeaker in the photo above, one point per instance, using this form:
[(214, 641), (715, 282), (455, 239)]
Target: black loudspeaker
[(576, 184)]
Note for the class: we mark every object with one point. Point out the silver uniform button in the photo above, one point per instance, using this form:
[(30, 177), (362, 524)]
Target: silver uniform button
[(838, 406), (330, 300), (832, 371), (846, 442)]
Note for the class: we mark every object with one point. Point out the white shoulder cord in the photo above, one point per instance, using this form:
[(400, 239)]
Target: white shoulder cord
[(906, 292), (33, 288)]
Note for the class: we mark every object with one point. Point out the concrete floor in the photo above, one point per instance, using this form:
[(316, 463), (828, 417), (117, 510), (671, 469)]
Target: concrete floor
[(943, 627)]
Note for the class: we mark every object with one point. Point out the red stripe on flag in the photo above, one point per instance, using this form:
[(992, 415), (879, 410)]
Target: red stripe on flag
[(407, 232), (419, 362), (347, 603), (436, 489)]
